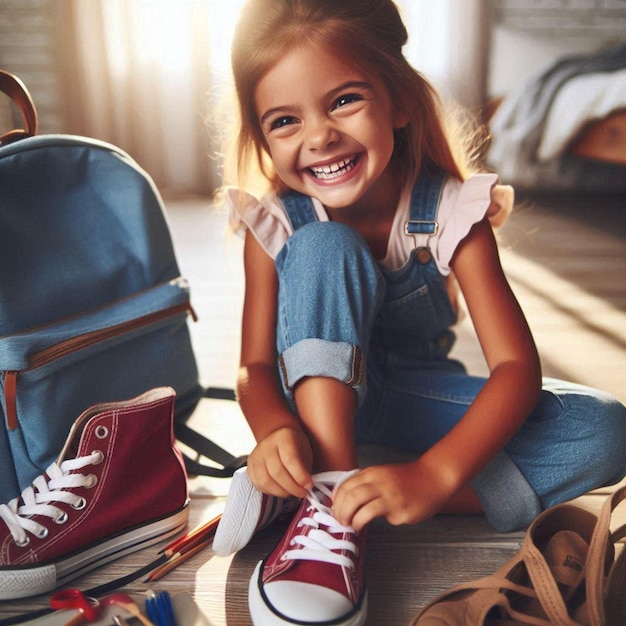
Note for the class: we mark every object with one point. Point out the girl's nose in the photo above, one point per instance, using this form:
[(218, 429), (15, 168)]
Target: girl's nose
[(320, 134)]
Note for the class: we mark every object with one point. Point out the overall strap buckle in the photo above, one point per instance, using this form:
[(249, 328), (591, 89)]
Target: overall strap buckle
[(425, 196), (421, 227)]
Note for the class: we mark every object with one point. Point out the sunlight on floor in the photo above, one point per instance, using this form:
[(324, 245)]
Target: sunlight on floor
[(556, 308)]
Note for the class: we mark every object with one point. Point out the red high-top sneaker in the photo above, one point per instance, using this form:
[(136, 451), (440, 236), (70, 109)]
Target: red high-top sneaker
[(315, 575), (119, 485)]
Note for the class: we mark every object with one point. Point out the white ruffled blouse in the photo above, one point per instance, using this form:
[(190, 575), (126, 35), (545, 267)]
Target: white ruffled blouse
[(462, 205)]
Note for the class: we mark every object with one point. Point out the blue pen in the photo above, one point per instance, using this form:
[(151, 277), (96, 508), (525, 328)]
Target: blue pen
[(152, 611), (166, 609)]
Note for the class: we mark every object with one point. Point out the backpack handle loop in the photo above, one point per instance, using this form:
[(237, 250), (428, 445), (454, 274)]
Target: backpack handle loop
[(13, 87)]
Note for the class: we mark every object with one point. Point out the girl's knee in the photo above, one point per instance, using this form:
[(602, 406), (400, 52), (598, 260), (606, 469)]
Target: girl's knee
[(612, 435), (326, 238), (330, 256), (604, 417), (573, 443)]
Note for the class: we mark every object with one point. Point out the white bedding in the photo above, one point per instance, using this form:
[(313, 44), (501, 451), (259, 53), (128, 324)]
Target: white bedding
[(578, 101)]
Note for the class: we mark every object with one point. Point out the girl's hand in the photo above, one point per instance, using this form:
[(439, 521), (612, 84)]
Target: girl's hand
[(280, 464), (405, 493)]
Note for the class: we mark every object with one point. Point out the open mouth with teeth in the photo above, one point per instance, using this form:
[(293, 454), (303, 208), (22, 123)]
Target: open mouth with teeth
[(336, 170)]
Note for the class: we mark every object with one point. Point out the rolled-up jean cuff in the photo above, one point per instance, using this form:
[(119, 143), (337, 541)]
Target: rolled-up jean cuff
[(506, 496), (319, 357)]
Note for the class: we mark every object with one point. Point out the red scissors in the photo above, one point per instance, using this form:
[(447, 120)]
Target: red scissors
[(75, 599), (89, 608)]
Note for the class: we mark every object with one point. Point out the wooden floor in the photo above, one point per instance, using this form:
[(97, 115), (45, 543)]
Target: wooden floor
[(565, 258)]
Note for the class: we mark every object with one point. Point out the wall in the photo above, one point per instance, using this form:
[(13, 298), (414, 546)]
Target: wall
[(528, 35), (27, 50)]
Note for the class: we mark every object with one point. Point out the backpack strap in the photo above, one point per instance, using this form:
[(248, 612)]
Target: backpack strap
[(299, 209), (225, 463), (422, 223), (13, 87)]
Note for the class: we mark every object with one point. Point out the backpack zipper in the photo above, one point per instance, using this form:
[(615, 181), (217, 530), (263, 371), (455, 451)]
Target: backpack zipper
[(74, 344)]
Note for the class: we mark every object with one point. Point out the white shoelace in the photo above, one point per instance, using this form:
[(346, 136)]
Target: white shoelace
[(38, 498), (320, 544)]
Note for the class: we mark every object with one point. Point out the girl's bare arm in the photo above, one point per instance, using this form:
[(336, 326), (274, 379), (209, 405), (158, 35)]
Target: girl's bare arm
[(412, 492), (514, 382), (281, 462)]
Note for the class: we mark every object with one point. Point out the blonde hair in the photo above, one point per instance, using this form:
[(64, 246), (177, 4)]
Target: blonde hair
[(371, 34)]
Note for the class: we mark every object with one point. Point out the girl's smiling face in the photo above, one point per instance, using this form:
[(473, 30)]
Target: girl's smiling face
[(328, 127)]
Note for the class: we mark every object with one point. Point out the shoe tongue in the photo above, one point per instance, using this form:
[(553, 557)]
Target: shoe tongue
[(331, 480), (72, 443), (566, 554), (323, 499)]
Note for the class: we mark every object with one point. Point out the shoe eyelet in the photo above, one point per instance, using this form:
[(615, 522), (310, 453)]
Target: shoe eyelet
[(100, 456), (61, 519), (102, 432), (23, 543), (43, 533), (80, 505), (92, 480)]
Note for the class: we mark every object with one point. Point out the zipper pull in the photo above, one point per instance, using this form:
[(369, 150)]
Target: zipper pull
[(10, 396)]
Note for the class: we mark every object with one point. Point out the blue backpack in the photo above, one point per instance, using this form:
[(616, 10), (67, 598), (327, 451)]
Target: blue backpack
[(92, 304)]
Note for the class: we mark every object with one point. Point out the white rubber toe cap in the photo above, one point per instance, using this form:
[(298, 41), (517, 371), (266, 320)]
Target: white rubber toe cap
[(306, 602), (283, 603)]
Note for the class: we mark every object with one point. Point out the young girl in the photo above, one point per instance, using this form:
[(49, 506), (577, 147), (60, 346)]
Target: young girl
[(349, 304)]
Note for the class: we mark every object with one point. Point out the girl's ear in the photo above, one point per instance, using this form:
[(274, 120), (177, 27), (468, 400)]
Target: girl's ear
[(400, 119)]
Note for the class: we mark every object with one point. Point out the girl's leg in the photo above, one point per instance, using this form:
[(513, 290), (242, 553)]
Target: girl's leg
[(326, 407), (572, 441), (330, 289)]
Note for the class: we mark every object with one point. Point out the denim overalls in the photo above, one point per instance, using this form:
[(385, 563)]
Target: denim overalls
[(387, 333)]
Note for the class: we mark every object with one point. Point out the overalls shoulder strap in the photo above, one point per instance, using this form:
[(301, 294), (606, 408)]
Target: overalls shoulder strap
[(299, 209), (423, 213), (425, 196)]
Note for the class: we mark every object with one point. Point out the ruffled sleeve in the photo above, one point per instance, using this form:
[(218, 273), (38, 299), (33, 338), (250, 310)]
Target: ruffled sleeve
[(463, 204), (265, 218)]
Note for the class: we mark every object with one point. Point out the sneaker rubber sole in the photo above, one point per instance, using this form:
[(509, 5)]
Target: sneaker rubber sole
[(247, 510), (31, 580)]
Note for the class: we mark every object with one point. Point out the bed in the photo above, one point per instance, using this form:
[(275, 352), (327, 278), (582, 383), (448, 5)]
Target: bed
[(566, 128)]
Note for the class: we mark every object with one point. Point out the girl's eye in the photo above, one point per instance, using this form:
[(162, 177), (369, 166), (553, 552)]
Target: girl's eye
[(346, 99), (281, 122)]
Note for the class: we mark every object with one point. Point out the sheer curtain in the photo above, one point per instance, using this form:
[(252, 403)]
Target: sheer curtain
[(148, 75), (449, 44)]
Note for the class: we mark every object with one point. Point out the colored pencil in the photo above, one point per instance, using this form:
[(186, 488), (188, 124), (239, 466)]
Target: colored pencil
[(178, 559)]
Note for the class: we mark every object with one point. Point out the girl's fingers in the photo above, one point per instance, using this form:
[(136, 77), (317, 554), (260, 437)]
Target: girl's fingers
[(264, 482), (282, 476), (351, 498), (298, 473), (365, 514), (362, 509)]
